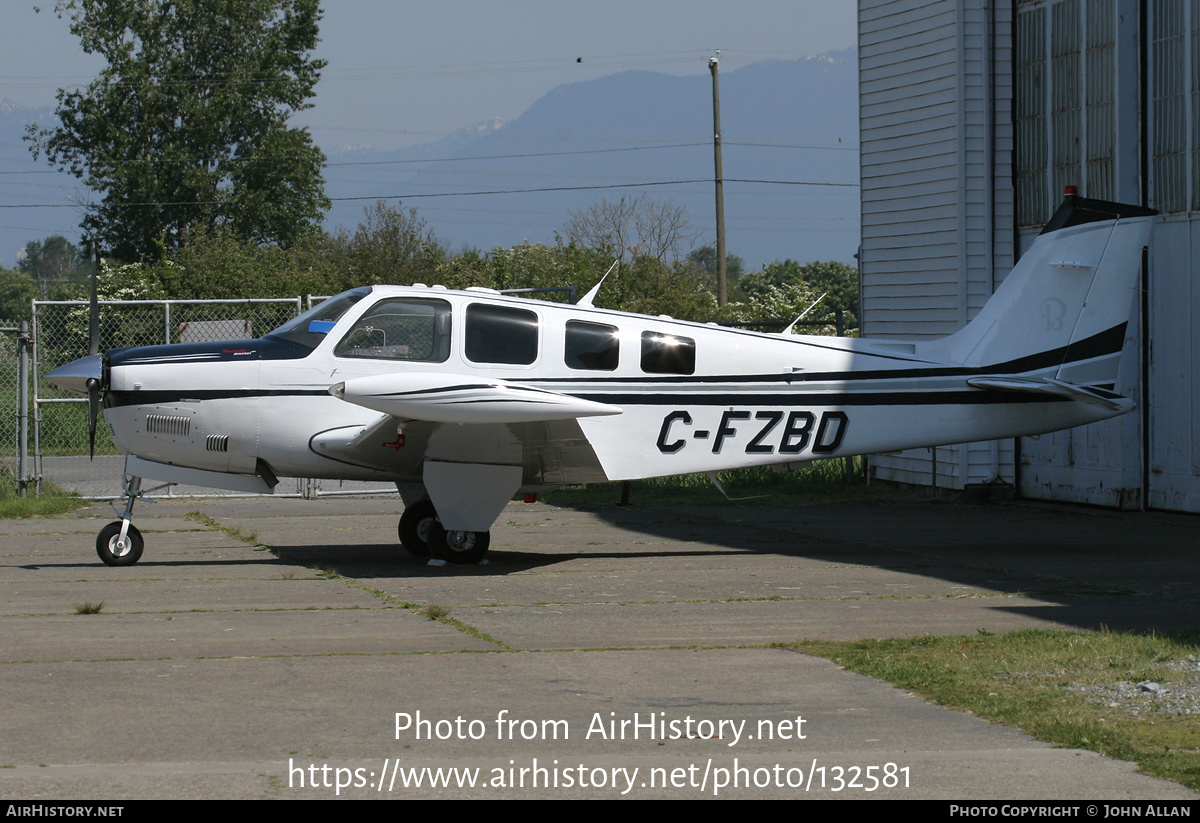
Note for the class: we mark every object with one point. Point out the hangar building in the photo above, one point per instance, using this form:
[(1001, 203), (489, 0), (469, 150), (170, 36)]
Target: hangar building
[(974, 117)]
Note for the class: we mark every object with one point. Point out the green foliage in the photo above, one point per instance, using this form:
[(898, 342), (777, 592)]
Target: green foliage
[(525, 266), (186, 126), (782, 302), (837, 279), (1071, 688), (17, 289), (649, 286), (51, 501), (390, 246), (54, 261), (704, 259)]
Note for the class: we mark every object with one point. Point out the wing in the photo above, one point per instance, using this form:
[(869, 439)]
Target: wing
[(472, 443), (457, 398)]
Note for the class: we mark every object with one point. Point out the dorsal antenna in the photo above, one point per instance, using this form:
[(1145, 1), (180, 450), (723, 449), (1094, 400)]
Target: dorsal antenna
[(803, 314), (586, 301)]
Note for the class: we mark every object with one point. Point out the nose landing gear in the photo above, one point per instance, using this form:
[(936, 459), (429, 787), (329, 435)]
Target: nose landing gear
[(120, 543)]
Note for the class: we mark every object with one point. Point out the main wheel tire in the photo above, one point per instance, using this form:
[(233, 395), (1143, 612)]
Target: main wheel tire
[(114, 555), (415, 526), (459, 547)]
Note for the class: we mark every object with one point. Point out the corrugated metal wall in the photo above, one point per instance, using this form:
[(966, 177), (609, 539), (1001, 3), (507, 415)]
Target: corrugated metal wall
[(1173, 466), (1070, 54)]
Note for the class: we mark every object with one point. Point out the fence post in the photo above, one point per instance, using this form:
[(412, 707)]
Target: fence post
[(23, 410), (37, 416)]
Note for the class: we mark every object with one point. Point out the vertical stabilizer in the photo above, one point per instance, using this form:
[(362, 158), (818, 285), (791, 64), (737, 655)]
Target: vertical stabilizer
[(1061, 313)]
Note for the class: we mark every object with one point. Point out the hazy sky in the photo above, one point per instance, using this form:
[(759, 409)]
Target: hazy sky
[(411, 72)]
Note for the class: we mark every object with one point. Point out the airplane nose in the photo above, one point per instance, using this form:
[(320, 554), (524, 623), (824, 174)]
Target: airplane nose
[(74, 376)]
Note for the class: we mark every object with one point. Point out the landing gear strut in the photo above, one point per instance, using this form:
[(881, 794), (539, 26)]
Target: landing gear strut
[(120, 543)]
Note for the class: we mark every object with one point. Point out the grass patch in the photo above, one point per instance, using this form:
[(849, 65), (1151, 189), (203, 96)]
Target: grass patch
[(1076, 689), (52, 501), (823, 481), (435, 612), (89, 608)]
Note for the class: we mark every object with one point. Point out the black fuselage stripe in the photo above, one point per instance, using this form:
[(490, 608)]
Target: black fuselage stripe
[(788, 399), (823, 399)]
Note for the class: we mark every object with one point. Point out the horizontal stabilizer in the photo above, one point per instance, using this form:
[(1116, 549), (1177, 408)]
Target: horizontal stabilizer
[(458, 398), (1055, 388)]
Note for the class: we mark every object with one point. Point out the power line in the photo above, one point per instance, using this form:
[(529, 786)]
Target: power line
[(480, 193), (512, 156)]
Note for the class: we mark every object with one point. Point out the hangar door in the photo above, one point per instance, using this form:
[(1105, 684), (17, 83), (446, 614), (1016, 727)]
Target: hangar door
[(1107, 97)]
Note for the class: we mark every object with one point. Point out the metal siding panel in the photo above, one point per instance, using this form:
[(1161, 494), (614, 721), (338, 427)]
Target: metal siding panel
[(925, 160), (1100, 100), (910, 53), (1065, 105), (1169, 79), (911, 107), (1030, 116)]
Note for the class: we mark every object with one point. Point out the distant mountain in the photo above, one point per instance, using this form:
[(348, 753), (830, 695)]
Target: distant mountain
[(793, 122)]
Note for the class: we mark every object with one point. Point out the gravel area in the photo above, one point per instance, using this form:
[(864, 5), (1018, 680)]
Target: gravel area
[(1176, 697)]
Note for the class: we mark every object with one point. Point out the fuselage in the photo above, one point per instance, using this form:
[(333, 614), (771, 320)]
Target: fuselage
[(684, 396)]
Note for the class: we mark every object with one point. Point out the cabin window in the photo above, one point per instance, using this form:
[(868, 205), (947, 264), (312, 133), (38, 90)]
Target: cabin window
[(667, 353), (592, 346), (400, 328), (501, 334)]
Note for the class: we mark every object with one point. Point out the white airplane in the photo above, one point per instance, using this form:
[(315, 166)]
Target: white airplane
[(467, 398)]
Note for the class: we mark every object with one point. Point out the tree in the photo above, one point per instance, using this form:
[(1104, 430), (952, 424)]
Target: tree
[(630, 228), (704, 263), (52, 261), (187, 125), (391, 245), (17, 289)]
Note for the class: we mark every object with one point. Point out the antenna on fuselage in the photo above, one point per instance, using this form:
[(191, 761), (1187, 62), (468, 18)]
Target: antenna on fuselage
[(803, 314), (586, 300), (712, 477)]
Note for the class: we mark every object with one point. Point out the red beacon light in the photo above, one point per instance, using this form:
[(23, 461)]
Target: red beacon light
[(1070, 190)]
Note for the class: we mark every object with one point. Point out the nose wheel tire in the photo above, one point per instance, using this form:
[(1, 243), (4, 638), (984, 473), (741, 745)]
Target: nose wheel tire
[(415, 526), (458, 546), (115, 553)]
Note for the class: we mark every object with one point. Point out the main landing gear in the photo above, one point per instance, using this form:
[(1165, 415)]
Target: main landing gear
[(422, 535), (120, 543)]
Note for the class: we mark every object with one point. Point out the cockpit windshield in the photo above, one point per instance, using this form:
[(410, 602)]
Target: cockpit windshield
[(310, 328)]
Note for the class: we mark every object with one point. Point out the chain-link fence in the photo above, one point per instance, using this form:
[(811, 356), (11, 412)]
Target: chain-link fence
[(60, 418)]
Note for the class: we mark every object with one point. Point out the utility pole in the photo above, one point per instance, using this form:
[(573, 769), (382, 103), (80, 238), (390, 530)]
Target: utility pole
[(722, 285)]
